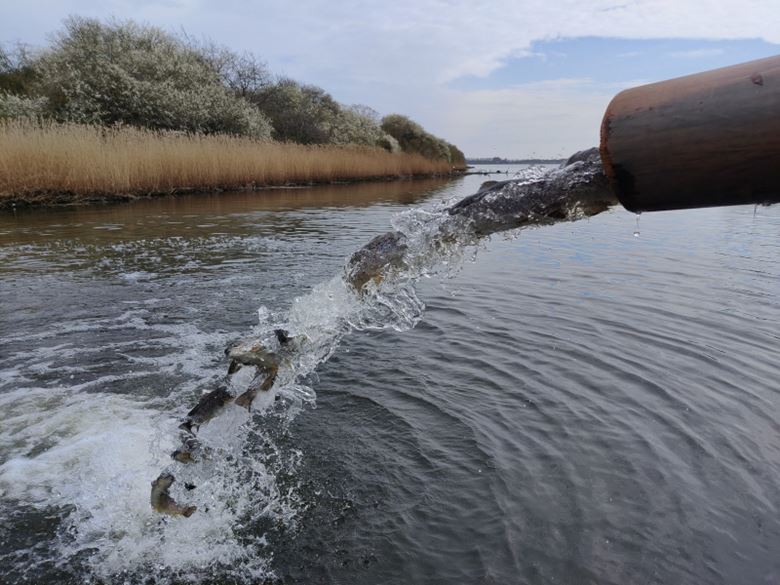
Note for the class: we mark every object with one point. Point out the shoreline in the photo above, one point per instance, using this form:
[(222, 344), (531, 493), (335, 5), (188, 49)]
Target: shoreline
[(52, 164), (64, 199)]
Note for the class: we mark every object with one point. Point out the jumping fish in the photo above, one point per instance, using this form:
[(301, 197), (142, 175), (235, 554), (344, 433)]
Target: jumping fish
[(183, 456), (578, 189), (374, 260), (248, 397), (162, 501), (186, 453), (206, 409), (255, 353)]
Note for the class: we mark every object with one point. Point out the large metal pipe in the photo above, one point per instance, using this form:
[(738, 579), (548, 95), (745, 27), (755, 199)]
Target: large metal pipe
[(697, 141)]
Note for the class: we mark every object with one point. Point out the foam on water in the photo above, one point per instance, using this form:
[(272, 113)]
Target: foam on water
[(91, 457), (72, 452)]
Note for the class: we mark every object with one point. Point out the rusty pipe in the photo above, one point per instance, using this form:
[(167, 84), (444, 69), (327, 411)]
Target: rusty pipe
[(702, 140)]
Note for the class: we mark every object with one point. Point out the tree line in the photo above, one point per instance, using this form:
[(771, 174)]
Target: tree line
[(123, 73)]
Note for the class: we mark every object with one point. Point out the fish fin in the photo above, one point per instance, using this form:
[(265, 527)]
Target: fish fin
[(245, 400), (233, 367), (268, 383)]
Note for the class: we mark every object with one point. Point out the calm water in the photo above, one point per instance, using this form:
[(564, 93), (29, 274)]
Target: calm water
[(579, 405)]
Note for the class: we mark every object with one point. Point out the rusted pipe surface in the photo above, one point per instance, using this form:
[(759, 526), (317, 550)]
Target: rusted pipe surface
[(697, 141)]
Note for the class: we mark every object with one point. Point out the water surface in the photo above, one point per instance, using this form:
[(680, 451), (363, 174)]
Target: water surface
[(579, 405)]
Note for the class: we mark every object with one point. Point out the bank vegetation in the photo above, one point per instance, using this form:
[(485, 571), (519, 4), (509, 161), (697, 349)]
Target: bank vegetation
[(120, 109), (44, 163)]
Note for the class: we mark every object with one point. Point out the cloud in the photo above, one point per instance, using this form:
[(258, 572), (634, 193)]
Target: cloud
[(696, 53), (547, 118), (401, 55)]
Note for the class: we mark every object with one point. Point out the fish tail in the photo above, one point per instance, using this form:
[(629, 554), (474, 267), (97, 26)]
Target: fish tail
[(245, 400)]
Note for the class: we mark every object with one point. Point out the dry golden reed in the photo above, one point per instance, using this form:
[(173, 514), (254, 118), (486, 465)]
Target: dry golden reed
[(45, 162)]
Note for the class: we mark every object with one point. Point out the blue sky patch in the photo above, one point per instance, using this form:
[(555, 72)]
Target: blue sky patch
[(612, 60)]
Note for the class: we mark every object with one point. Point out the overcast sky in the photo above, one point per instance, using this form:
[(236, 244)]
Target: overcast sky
[(513, 78)]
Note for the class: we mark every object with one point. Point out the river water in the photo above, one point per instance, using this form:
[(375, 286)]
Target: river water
[(590, 402)]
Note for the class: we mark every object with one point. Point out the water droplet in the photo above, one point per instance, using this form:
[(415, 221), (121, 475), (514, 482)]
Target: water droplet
[(636, 230)]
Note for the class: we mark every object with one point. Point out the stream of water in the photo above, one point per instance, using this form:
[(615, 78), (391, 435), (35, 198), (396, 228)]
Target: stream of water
[(581, 405)]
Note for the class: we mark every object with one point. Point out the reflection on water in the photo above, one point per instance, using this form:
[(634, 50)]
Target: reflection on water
[(578, 406), (204, 214)]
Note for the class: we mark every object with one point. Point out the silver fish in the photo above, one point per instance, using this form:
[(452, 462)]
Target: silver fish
[(206, 409), (253, 352), (376, 259), (162, 501)]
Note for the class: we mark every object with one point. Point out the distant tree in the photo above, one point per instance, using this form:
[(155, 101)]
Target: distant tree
[(359, 124), (457, 158), (5, 61), (244, 73), (121, 72), (299, 113), (367, 112), (413, 138), (17, 74)]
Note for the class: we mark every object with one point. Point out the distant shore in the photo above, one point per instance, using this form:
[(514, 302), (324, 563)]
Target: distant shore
[(518, 161), (69, 164)]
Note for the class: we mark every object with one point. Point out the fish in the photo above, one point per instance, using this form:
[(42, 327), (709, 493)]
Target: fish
[(253, 352), (183, 456), (248, 397), (206, 409), (374, 261), (162, 501), (579, 188), (186, 453)]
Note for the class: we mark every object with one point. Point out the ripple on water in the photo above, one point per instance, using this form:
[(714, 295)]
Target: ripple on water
[(578, 406)]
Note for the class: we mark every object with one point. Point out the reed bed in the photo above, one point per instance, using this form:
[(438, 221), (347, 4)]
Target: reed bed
[(43, 163)]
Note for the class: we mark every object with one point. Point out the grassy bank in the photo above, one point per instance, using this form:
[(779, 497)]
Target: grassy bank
[(49, 163)]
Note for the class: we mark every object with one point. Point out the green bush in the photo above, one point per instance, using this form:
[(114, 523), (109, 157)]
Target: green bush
[(414, 139), (17, 75), (359, 124), (457, 158), (305, 114), (20, 106)]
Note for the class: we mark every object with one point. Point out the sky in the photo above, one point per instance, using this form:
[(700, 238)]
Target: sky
[(512, 78)]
